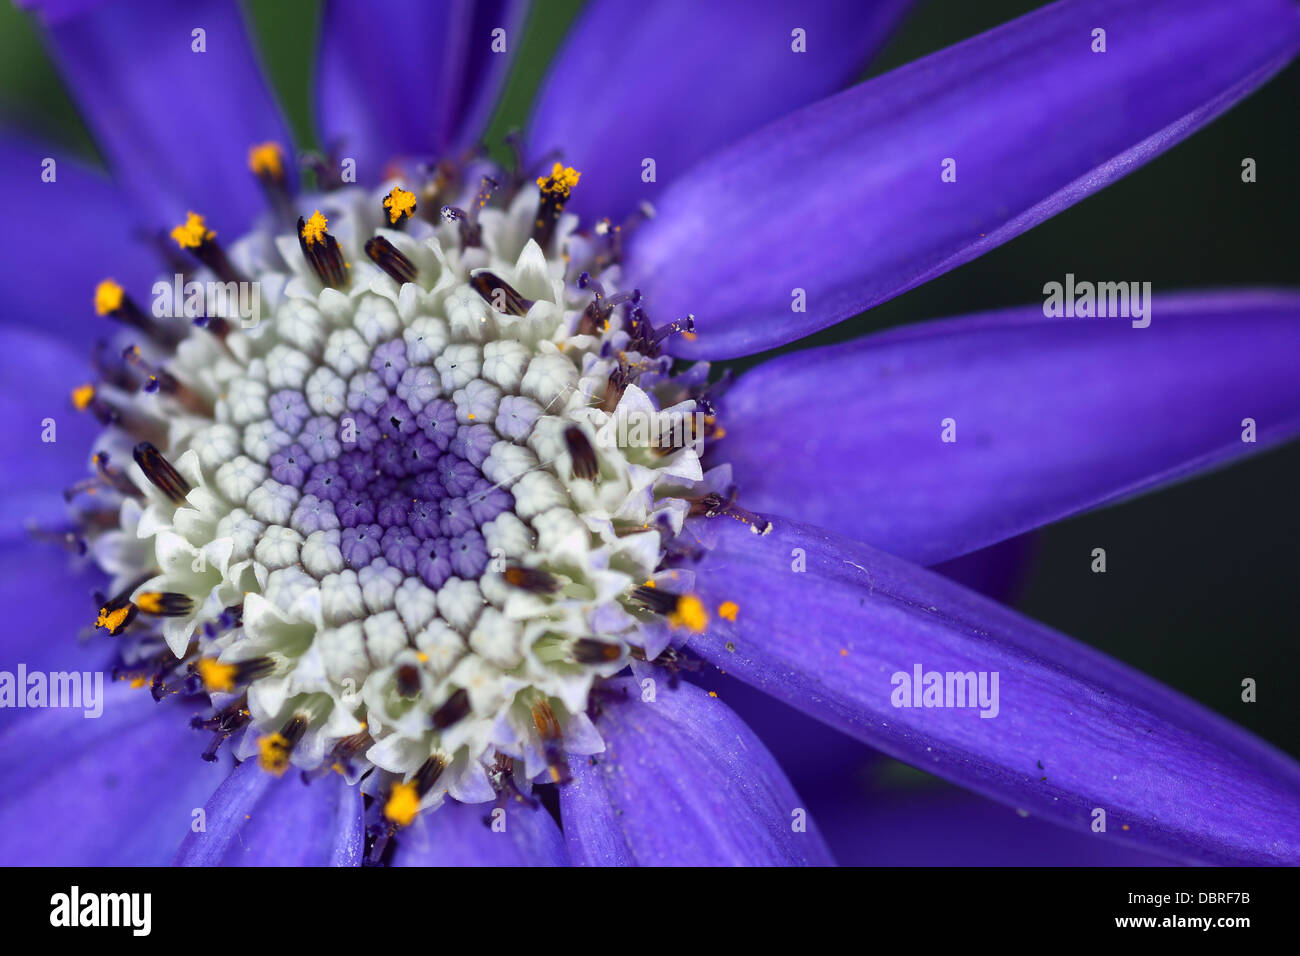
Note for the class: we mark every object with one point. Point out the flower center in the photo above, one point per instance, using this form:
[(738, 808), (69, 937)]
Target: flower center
[(404, 488)]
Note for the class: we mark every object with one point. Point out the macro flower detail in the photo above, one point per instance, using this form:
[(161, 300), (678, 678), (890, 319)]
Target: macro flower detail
[(416, 505)]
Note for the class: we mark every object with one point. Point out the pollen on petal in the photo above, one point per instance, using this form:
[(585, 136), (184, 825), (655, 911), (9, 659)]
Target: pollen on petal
[(193, 232), (108, 297), (728, 610)]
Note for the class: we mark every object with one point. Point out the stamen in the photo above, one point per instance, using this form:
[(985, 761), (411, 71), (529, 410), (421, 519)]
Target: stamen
[(400, 205), (470, 233), (116, 615), (682, 610), (589, 650), (404, 798), (385, 255), (160, 472), (548, 727), (499, 294), (453, 709), (585, 464), (531, 579), (218, 676), (556, 189), (710, 506), (274, 750), (194, 236), (407, 679), (111, 300), (322, 251), (266, 162), (165, 604)]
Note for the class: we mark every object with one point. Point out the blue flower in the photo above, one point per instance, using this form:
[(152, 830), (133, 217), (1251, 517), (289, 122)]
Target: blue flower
[(375, 513)]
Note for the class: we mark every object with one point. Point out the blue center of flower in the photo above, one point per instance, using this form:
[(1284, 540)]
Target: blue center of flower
[(395, 472)]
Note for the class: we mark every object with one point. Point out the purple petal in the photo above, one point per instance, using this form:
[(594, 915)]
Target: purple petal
[(844, 199), (951, 828), (67, 235), (682, 781), (258, 819), (1071, 731), (411, 77), (460, 834), (175, 124), (47, 596), (112, 791), (676, 80), (34, 391), (1052, 416)]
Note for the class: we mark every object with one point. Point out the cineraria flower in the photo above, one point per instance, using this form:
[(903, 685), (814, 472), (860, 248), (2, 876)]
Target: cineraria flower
[(414, 496)]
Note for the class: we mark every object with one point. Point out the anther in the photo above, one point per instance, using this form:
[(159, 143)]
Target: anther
[(266, 162), (585, 463), (403, 803), (386, 255), (116, 614), (470, 233), (681, 610), (589, 650), (407, 679), (165, 603), (400, 205), (274, 750), (556, 189), (222, 677), (321, 250), (713, 505), (499, 294), (531, 579), (194, 236), (160, 472), (548, 728), (111, 300), (455, 708)]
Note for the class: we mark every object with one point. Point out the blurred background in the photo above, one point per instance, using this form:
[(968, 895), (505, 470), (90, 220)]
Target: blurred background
[(1202, 587)]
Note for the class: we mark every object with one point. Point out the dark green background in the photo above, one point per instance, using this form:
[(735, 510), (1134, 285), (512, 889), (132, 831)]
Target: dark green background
[(1201, 583)]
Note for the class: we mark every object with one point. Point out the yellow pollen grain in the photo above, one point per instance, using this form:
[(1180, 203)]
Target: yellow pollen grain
[(193, 232), (690, 614), (399, 203), (403, 804), (313, 230), (82, 396), (267, 160), (560, 182), (713, 693), (728, 610), (273, 753), (137, 683), (215, 675), (112, 619), (108, 297)]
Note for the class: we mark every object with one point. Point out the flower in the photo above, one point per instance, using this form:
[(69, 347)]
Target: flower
[(377, 515)]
